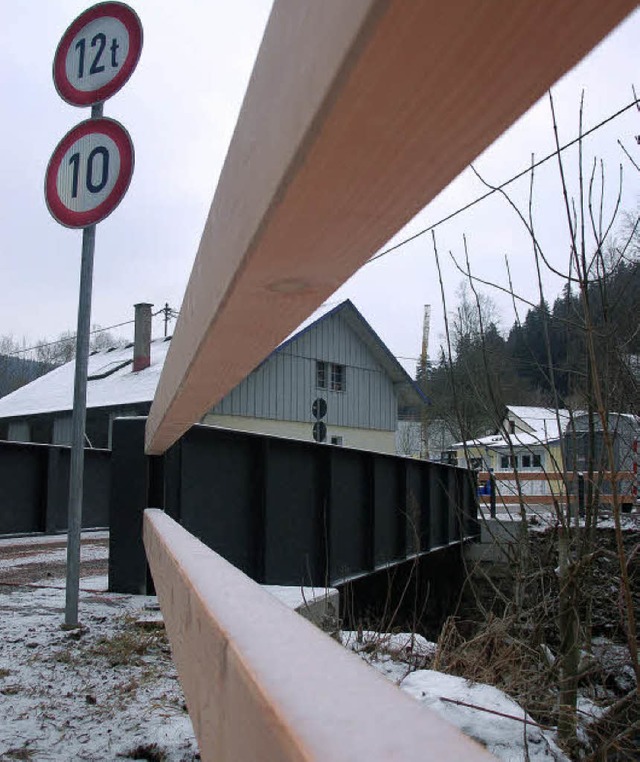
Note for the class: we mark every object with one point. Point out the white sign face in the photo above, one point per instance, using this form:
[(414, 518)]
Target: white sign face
[(88, 172), (96, 54)]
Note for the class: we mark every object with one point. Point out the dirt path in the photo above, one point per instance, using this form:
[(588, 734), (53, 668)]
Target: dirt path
[(28, 563)]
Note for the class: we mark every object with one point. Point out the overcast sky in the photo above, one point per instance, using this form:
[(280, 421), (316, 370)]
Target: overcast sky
[(180, 107)]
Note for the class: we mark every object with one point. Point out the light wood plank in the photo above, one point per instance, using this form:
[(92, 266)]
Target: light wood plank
[(357, 114), (262, 683)]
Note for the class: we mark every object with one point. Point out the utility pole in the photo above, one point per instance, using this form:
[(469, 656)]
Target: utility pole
[(167, 312), (426, 324)]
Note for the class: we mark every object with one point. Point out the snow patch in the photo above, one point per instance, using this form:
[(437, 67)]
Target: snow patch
[(505, 737)]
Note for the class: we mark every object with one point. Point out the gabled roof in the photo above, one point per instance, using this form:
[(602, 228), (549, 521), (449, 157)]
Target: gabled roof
[(115, 385), (407, 388), (544, 423), (53, 392), (534, 426)]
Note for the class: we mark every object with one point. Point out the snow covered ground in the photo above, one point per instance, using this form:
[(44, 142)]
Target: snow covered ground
[(480, 711), (106, 692), (484, 713), (110, 690)]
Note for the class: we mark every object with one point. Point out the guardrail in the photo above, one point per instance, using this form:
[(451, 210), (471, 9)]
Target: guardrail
[(262, 683), (344, 512), (34, 487)]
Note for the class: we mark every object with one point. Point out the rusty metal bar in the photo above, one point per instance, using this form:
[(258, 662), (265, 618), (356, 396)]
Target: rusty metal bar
[(262, 683), (357, 114)]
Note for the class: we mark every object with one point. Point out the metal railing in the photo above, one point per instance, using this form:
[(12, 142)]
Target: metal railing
[(34, 487), (344, 512), (262, 683)]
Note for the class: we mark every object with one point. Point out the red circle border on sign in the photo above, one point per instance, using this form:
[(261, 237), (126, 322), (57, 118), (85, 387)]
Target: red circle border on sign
[(131, 21), (122, 139)]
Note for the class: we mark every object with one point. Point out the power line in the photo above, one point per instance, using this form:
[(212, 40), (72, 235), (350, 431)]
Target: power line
[(71, 336), (315, 360), (63, 341), (486, 195), (168, 312)]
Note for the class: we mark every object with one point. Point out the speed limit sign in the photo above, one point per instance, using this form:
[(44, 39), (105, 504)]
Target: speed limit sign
[(89, 172), (97, 54), (87, 176)]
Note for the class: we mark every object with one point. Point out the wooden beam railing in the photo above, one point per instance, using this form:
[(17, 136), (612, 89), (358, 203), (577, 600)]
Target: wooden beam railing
[(262, 683), (357, 114)]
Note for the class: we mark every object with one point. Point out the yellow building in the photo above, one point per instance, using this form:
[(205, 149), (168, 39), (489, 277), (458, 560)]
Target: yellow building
[(525, 457), (538, 454)]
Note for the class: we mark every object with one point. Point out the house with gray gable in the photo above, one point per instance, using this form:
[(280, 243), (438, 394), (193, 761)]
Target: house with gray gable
[(333, 380)]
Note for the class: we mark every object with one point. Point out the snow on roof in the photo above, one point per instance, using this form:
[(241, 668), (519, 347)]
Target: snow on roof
[(542, 420), (541, 427), (497, 441), (53, 392), (114, 383), (324, 309)]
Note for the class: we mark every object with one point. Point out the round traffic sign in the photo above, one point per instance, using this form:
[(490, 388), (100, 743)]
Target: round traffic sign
[(97, 54), (319, 408), (89, 172), (319, 431)]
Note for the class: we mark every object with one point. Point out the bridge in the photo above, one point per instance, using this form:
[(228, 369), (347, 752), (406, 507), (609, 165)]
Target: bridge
[(283, 511), (356, 116)]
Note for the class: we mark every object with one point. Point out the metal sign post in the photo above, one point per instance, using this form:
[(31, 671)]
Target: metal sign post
[(78, 420), (87, 177)]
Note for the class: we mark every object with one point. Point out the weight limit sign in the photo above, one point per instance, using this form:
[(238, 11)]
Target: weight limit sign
[(89, 173), (97, 54)]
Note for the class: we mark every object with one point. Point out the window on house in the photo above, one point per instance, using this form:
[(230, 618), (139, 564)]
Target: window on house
[(475, 464), (537, 461), (512, 427), (526, 461), (449, 457), (508, 462), (321, 374), (338, 378), (336, 441), (331, 375)]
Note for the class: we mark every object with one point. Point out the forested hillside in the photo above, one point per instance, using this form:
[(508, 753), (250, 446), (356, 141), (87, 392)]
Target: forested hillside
[(543, 359), (16, 372), (20, 365)]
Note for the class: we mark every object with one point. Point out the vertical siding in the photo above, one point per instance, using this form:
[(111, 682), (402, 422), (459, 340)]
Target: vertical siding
[(284, 386), (19, 431), (62, 433)]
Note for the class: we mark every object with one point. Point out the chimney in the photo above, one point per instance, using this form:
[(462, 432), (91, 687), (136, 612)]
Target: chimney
[(142, 337)]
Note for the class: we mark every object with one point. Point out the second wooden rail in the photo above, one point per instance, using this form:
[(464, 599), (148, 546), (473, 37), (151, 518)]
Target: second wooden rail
[(262, 683)]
